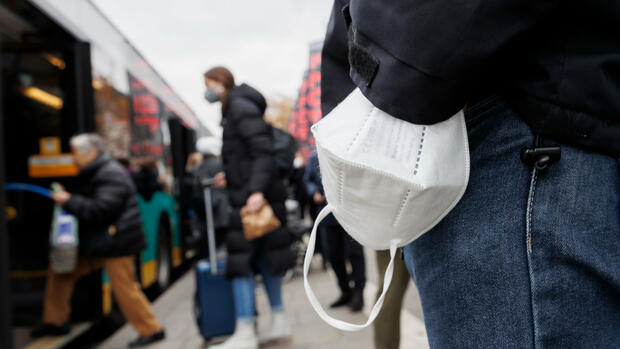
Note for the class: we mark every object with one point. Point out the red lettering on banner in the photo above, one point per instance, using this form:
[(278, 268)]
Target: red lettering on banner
[(308, 106), (147, 149), (314, 80), (301, 103), (155, 149), (298, 132), (314, 116), (315, 61), (151, 121), (304, 131), (304, 88), (314, 98), (137, 84), (145, 104), (292, 126), (301, 116)]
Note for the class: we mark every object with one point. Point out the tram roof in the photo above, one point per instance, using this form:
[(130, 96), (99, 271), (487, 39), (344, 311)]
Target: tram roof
[(88, 23)]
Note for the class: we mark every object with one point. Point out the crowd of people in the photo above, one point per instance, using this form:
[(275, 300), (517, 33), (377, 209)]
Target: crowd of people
[(242, 173)]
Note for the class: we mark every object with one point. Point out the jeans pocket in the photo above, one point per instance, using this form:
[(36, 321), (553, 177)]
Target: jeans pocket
[(483, 109)]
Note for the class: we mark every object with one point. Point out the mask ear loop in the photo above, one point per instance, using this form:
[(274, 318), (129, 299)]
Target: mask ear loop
[(339, 324)]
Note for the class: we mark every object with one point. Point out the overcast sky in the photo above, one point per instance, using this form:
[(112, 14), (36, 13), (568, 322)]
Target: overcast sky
[(264, 42)]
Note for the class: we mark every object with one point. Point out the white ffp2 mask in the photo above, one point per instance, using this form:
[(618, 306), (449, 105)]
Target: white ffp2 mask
[(386, 181)]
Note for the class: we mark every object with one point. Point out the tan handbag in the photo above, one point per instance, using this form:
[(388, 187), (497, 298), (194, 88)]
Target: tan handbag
[(257, 224)]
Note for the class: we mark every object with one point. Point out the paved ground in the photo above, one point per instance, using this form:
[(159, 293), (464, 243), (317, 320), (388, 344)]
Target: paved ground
[(174, 308)]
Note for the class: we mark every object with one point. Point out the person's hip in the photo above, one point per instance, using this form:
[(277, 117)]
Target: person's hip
[(528, 253)]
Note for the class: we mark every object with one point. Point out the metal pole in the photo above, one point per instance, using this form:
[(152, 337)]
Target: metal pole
[(6, 336)]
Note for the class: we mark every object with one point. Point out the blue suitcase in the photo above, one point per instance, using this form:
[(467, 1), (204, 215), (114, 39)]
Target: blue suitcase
[(213, 305)]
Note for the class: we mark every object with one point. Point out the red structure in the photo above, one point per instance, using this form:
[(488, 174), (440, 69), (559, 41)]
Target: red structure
[(307, 110)]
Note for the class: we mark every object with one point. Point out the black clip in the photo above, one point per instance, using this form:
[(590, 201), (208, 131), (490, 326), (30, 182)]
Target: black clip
[(541, 157)]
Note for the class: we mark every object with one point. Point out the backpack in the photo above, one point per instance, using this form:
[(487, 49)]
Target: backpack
[(285, 147)]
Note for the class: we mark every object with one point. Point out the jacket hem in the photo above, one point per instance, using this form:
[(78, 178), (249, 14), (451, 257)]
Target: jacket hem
[(399, 89)]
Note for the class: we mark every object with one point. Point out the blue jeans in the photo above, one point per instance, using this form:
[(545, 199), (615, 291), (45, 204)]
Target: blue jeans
[(529, 258), (243, 288)]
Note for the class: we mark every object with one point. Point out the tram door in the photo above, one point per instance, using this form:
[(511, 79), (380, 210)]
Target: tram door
[(45, 87)]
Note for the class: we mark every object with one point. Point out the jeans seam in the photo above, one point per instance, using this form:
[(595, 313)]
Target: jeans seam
[(530, 209), (482, 114), (529, 250), (481, 109)]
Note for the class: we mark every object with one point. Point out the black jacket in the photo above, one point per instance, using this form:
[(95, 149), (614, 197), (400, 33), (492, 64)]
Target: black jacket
[(247, 152), (312, 180), (106, 207), (556, 62)]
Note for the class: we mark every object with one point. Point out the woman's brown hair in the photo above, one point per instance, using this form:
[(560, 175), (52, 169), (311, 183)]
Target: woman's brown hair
[(221, 75), (224, 77)]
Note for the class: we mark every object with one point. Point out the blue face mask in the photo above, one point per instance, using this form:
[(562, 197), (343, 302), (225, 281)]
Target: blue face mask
[(211, 95)]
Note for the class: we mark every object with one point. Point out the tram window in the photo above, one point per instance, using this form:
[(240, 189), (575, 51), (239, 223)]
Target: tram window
[(34, 104), (112, 104), (112, 116)]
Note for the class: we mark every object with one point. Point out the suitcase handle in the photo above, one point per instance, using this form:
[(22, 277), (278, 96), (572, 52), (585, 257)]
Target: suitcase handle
[(210, 226)]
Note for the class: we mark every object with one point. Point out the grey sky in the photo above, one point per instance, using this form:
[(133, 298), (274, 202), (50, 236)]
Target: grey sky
[(265, 43)]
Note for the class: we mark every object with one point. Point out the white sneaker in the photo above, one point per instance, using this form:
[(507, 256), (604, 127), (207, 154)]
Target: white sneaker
[(280, 329), (243, 338)]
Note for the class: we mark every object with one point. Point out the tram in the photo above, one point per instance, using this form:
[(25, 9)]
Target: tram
[(67, 69)]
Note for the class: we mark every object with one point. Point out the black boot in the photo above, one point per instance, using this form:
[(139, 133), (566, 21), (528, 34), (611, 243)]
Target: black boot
[(142, 341), (357, 300), (344, 299), (50, 330)]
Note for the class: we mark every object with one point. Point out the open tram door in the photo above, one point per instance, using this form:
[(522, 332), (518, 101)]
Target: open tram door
[(182, 145), (46, 98), (6, 340)]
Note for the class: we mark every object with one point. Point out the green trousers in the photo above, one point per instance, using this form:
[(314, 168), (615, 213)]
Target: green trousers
[(387, 323)]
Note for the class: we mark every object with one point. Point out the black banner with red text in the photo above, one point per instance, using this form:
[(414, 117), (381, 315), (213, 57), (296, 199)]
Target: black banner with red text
[(148, 112), (307, 109)]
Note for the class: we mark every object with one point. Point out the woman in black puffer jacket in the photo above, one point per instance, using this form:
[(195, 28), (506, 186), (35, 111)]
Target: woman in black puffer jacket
[(251, 177)]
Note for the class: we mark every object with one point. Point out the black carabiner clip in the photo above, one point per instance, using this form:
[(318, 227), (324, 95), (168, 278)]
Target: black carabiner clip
[(541, 158)]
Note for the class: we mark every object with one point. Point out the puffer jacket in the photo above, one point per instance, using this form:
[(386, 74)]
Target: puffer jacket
[(106, 207), (248, 157)]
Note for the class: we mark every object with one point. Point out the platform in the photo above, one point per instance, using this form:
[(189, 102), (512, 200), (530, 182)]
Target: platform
[(175, 310)]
